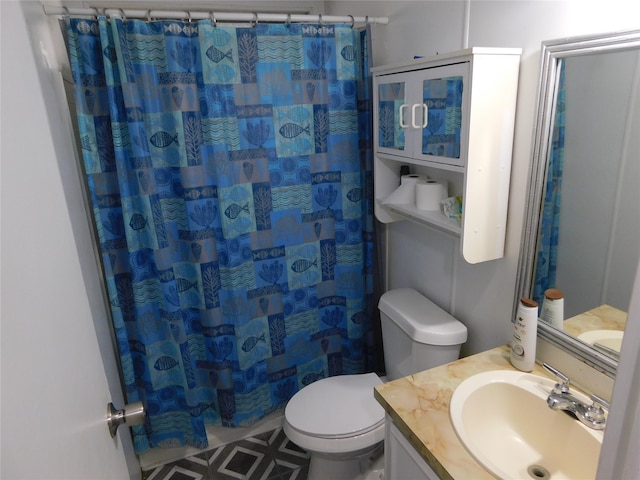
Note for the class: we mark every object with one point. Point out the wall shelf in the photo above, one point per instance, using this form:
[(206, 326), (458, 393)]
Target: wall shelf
[(430, 218)]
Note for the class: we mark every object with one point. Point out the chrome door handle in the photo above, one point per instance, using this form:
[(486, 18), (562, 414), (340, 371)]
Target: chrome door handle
[(132, 414)]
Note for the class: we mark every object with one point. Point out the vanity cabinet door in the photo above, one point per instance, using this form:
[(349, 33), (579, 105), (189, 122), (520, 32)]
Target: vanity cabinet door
[(401, 460)]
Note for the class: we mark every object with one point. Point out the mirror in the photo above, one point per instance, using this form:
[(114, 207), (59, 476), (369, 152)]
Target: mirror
[(582, 221)]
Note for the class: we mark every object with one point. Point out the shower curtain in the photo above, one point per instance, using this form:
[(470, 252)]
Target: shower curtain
[(229, 173), (547, 259)]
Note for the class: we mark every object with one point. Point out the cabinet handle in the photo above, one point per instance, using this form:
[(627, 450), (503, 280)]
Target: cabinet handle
[(401, 113), (413, 115), (425, 118)]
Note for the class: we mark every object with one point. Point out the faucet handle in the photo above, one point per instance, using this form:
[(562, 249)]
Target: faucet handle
[(559, 387), (594, 412)]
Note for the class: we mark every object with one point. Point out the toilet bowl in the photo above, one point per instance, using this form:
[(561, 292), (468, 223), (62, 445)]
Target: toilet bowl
[(338, 421), (337, 414)]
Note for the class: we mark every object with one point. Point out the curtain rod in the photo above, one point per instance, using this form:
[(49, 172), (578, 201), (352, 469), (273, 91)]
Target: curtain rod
[(212, 15)]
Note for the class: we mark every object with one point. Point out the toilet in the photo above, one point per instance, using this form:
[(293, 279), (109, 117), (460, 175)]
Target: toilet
[(338, 421)]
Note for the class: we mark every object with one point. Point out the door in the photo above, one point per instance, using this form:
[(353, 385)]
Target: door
[(443, 99), (58, 366), (423, 114), (390, 99)]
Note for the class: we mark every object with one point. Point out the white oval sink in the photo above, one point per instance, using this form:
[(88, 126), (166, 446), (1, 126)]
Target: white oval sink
[(609, 338), (502, 419)]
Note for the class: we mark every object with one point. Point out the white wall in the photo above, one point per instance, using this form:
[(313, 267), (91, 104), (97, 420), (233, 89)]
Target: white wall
[(58, 366), (482, 295)]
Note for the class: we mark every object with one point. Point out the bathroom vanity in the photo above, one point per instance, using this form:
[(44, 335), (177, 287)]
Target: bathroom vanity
[(419, 429)]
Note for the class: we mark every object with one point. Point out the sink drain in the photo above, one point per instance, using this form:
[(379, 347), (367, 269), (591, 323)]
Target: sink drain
[(539, 472)]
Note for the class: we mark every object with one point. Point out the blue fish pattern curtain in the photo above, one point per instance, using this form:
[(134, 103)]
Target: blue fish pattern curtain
[(229, 171), (547, 256)]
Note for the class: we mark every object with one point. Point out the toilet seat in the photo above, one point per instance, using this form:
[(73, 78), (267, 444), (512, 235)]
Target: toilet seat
[(336, 407)]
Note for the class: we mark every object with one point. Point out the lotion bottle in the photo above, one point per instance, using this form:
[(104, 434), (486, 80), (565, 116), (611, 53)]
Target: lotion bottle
[(525, 329), (552, 310)]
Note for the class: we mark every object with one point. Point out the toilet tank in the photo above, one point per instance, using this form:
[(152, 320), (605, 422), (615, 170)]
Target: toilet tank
[(416, 333)]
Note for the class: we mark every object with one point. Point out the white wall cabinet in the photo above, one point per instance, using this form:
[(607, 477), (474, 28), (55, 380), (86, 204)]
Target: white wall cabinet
[(451, 118), (401, 460)]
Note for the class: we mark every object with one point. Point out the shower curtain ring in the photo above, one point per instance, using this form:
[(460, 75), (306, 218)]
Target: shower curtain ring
[(148, 15), (214, 21), (65, 9), (254, 22), (189, 16), (122, 15), (288, 22), (366, 20), (320, 19), (353, 20)]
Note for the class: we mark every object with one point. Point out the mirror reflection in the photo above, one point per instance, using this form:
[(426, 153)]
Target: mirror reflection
[(585, 186)]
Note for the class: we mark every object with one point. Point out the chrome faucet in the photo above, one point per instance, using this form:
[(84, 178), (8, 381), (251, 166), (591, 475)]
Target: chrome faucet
[(593, 416)]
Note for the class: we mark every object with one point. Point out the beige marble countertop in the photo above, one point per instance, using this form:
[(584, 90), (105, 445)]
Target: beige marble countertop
[(419, 406), (604, 317)]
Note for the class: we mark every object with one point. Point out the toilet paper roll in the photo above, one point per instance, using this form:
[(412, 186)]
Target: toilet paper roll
[(406, 192), (429, 193), (402, 194), (412, 179)]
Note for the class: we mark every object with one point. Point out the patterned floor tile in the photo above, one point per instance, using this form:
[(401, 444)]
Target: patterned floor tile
[(288, 456), (193, 468), (267, 456), (248, 459), (297, 474)]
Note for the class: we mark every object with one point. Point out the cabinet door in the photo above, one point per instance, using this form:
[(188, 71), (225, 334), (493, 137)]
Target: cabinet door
[(444, 99), (391, 105), (401, 460)]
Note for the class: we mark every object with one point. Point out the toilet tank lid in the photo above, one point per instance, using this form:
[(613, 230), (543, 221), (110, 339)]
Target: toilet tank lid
[(421, 319)]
